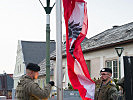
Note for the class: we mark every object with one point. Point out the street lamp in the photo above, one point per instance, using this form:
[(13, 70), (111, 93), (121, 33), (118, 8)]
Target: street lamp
[(48, 11), (119, 51)]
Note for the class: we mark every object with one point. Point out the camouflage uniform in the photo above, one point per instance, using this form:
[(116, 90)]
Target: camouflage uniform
[(106, 92), (121, 83), (27, 89)]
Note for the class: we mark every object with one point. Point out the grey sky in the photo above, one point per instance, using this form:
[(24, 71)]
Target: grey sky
[(25, 20)]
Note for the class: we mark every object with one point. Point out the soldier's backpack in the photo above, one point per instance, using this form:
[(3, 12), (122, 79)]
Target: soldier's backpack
[(19, 94)]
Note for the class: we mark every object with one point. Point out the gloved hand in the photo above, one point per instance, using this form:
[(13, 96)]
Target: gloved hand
[(51, 83)]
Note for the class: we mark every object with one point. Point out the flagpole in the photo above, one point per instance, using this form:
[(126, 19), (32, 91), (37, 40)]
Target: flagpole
[(59, 50)]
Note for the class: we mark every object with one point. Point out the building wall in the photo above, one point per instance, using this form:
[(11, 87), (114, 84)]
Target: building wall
[(97, 60), (6, 85), (42, 81), (65, 79), (99, 57), (65, 74)]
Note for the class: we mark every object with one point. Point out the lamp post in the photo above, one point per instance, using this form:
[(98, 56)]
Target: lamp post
[(48, 11), (119, 51)]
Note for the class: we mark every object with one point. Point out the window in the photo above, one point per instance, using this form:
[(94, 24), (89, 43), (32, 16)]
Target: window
[(88, 65), (113, 65)]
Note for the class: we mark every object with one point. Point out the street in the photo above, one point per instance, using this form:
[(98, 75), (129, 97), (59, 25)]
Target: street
[(69, 98)]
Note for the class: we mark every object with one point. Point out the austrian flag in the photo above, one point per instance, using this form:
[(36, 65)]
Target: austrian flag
[(76, 20)]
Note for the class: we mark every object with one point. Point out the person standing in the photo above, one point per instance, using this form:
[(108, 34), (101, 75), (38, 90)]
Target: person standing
[(106, 90), (122, 89), (27, 89)]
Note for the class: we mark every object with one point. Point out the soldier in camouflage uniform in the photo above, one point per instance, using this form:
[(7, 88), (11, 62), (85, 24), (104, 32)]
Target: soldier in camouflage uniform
[(121, 83), (27, 89), (106, 90)]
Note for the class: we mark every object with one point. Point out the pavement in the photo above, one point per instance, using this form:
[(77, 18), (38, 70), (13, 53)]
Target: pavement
[(69, 98)]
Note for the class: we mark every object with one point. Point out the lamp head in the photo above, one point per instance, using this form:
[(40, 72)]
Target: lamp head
[(119, 50)]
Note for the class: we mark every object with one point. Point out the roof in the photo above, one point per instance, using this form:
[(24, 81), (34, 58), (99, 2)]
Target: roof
[(43, 68), (35, 52), (9, 81), (110, 37)]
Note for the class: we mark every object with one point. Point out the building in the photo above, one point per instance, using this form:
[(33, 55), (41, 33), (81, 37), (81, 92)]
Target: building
[(6, 85), (29, 52), (99, 51)]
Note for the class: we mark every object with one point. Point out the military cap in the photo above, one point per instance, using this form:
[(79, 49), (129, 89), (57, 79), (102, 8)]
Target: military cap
[(106, 70), (33, 67)]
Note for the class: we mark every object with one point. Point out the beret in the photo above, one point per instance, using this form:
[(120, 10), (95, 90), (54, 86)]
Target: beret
[(33, 67), (106, 70)]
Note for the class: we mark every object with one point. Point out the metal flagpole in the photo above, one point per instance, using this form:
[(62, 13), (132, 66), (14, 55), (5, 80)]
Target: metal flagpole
[(59, 50)]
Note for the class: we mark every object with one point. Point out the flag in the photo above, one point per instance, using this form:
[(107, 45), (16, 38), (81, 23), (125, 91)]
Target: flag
[(76, 21)]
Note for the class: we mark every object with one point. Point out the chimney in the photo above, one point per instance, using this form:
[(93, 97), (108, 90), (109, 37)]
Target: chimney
[(115, 26)]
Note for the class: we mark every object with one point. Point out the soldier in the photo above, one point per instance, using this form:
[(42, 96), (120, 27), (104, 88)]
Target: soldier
[(27, 89), (122, 93), (107, 90)]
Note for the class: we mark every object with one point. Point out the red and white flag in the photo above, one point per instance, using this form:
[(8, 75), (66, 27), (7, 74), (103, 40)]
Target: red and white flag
[(76, 20)]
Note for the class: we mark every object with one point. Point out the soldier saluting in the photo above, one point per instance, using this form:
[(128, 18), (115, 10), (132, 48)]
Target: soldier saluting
[(27, 89), (107, 90)]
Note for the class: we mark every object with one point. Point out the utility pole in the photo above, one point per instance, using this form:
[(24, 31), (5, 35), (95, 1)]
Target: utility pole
[(48, 10), (59, 50)]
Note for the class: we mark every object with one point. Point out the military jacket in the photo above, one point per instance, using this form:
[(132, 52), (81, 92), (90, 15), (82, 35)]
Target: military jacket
[(106, 92), (27, 89)]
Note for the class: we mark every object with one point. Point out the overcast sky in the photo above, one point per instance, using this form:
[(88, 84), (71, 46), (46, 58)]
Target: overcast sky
[(25, 20)]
